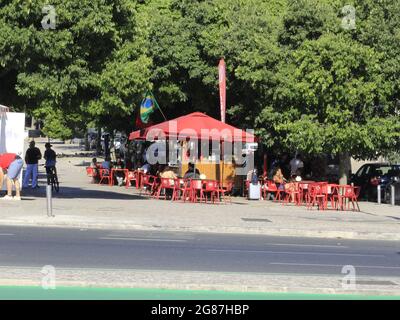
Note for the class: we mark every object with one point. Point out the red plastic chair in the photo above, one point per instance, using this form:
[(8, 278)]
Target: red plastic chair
[(132, 176), (304, 189), (148, 184), (164, 185), (196, 190), (270, 187), (225, 192), (180, 187), (349, 195), (186, 190), (292, 192), (210, 188), (105, 176), (89, 171), (246, 188), (318, 195)]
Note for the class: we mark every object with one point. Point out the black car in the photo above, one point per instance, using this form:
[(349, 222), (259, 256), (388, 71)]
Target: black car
[(395, 182), (370, 175)]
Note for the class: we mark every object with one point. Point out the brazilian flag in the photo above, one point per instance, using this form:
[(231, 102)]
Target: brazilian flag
[(148, 106)]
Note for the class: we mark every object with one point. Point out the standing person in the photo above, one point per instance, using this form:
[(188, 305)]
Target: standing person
[(32, 157), (11, 164), (5, 161), (296, 165)]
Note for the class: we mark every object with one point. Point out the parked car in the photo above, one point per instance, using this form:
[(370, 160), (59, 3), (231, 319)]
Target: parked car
[(395, 181), (370, 175)]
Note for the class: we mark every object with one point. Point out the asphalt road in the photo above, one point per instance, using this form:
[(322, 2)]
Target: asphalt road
[(108, 249)]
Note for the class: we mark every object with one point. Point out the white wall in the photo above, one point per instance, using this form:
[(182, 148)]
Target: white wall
[(12, 133)]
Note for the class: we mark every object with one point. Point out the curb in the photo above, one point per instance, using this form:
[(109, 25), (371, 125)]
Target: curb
[(328, 234)]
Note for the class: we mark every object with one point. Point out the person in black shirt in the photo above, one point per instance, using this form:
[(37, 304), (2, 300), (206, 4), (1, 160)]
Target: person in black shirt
[(50, 157), (32, 157), (191, 173)]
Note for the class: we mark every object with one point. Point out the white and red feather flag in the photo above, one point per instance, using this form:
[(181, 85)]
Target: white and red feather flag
[(222, 88)]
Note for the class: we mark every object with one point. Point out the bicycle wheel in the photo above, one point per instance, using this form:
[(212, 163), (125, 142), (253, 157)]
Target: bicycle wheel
[(55, 183)]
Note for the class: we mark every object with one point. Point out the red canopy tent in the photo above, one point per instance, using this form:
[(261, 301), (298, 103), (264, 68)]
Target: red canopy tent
[(194, 125), (200, 126)]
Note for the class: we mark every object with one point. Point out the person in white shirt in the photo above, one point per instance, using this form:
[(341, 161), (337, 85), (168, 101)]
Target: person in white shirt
[(145, 168), (296, 165)]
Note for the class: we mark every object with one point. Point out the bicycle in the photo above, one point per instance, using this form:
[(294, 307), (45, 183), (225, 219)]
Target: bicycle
[(52, 178)]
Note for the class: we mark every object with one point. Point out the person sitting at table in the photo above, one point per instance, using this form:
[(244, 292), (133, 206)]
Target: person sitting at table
[(95, 167), (279, 179), (191, 173), (94, 163), (106, 164), (119, 175), (145, 168), (290, 189), (167, 172)]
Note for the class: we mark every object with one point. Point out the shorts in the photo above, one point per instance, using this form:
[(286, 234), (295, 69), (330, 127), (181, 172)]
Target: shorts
[(15, 168)]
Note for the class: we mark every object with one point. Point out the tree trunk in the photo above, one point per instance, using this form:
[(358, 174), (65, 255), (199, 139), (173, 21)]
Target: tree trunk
[(98, 144), (87, 146), (344, 168)]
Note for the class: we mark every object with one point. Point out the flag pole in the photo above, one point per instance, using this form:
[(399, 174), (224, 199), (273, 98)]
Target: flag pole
[(157, 105)]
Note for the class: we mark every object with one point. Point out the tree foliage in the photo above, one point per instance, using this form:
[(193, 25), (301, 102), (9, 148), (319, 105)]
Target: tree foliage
[(295, 74)]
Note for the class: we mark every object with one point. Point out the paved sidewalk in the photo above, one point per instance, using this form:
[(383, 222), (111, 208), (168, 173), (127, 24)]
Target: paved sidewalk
[(84, 205), (246, 283)]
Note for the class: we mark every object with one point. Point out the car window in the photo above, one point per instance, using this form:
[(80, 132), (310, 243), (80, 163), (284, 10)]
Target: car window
[(383, 170), (361, 171)]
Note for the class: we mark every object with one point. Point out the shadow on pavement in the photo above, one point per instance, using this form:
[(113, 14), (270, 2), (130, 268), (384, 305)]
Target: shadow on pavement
[(78, 193)]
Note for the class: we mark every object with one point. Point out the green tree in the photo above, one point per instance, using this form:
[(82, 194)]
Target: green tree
[(93, 66)]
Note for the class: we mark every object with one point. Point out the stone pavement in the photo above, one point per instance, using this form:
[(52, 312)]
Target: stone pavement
[(196, 280), (81, 204)]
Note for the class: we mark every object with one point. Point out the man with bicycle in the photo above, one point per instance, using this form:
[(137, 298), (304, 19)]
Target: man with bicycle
[(50, 157)]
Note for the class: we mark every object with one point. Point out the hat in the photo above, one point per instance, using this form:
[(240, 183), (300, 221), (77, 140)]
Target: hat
[(48, 145)]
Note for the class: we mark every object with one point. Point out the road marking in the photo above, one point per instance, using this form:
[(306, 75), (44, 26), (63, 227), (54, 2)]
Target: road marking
[(143, 239), (306, 245), (138, 236), (7, 234), (329, 265), (301, 253)]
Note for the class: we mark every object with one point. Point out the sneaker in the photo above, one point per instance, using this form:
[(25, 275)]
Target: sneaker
[(7, 197), (17, 198)]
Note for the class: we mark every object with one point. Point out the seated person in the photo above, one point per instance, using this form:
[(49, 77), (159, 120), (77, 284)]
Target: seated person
[(106, 164), (191, 173), (94, 163), (145, 168), (279, 179), (95, 167), (11, 164), (119, 175), (168, 173)]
